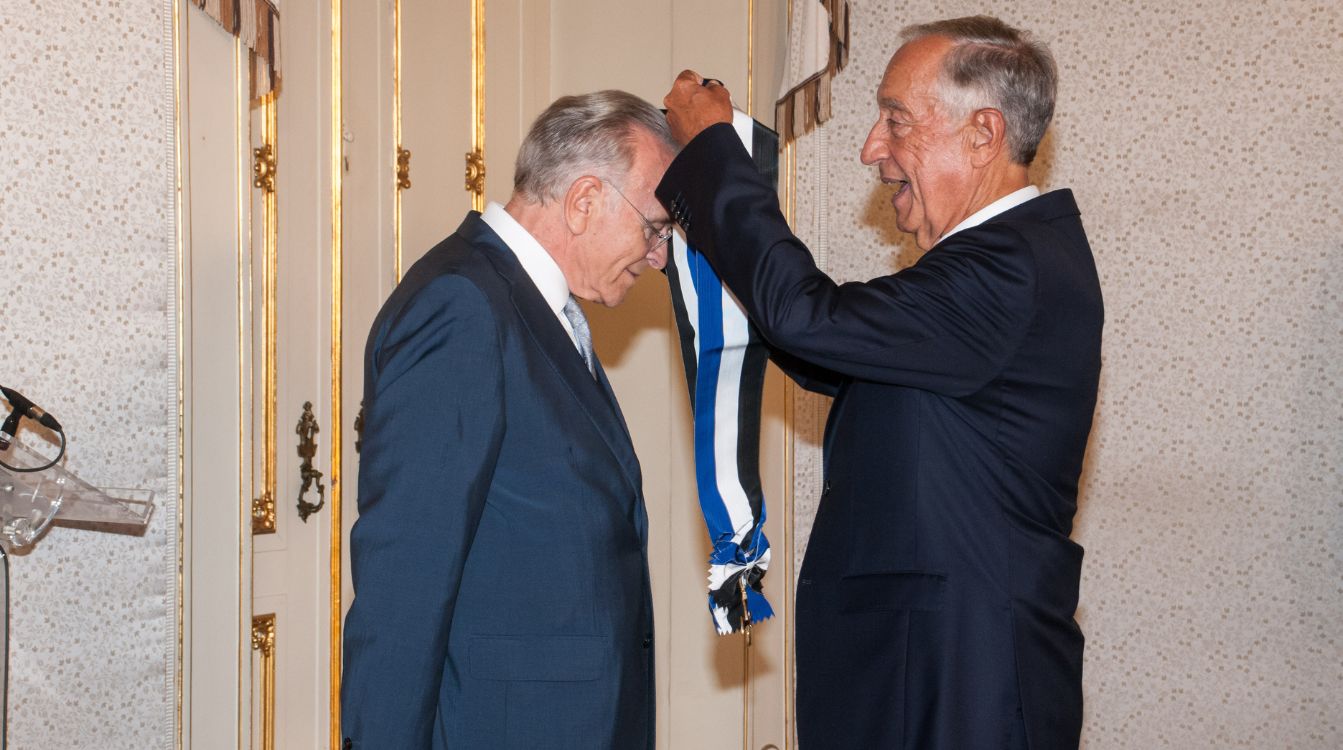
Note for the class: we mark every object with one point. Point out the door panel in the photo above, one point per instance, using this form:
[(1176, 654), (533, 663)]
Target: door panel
[(290, 568), (435, 120), (256, 266), (217, 387)]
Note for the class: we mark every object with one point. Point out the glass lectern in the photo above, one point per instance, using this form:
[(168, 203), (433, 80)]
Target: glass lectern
[(31, 502)]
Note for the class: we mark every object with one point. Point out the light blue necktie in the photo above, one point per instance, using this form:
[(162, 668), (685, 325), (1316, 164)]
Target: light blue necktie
[(582, 332)]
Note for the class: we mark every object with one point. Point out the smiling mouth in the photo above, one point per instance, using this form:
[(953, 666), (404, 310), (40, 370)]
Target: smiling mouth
[(900, 185)]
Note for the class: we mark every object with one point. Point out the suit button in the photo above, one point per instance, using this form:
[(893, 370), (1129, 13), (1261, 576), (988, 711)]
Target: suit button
[(349, 743), (825, 490), (648, 642)]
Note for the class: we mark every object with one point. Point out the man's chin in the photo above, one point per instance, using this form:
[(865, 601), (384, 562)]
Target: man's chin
[(914, 230), (925, 239)]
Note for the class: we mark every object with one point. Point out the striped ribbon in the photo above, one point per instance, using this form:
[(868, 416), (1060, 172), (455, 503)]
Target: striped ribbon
[(725, 361)]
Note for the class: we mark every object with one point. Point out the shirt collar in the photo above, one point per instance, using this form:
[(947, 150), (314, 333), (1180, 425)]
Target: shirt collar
[(1005, 203), (545, 273)]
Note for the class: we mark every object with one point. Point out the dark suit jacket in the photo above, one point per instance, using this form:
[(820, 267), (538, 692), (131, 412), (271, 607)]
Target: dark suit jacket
[(935, 605), (500, 557)]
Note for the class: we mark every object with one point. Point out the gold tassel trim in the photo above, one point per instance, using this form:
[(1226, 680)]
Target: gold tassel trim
[(257, 24)]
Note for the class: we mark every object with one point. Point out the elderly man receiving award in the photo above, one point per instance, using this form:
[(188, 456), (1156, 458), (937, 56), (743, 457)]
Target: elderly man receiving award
[(500, 557), (935, 605)]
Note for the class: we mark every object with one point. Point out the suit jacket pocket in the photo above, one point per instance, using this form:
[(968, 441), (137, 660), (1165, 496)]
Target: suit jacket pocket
[(540, 658), (896, 591)]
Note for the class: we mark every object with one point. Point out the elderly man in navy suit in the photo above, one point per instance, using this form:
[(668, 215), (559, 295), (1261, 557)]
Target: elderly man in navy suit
[(935, 605), (500, 557)]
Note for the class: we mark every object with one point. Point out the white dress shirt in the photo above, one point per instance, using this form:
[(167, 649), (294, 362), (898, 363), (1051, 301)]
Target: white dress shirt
[(544, 272), (1009, 201)]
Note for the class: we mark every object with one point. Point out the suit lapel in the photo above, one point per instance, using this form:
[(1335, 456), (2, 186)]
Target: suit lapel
[(630, 464), (594, 395)]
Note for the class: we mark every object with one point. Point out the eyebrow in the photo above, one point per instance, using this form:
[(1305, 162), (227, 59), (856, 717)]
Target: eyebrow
[(889, 103)]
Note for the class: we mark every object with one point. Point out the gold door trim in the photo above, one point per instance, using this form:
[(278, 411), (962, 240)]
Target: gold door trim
[(336, 359), (396, 141), (263, 640), (475, 159), (264, 169)]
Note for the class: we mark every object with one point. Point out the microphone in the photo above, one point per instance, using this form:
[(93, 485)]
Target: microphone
[(23, 408)]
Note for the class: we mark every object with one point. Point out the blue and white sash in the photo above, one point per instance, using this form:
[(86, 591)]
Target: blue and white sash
[(725, 370)]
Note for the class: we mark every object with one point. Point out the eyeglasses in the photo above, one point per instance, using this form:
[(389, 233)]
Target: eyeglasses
[(652, 235)]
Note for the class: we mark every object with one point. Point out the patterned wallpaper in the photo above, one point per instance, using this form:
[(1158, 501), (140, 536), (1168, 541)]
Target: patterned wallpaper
[(88, 325), (1204, 143)]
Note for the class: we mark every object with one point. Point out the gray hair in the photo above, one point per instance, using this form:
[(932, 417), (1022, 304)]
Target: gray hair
[(994, 65), (584, 134)]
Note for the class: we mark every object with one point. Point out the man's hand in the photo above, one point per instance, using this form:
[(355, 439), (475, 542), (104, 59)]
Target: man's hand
[(694, 104)]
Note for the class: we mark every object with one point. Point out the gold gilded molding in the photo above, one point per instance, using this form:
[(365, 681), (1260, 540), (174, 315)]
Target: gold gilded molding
[(475, 158), (263, 514), (402, 167), (402, 170), (263, 168), (336, 359), (263, 640), (475, 178), (263, 506)]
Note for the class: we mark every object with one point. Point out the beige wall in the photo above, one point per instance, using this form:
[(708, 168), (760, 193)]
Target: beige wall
[(1203, 144)]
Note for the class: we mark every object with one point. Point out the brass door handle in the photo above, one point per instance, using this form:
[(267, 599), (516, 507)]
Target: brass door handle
[(307, 430)]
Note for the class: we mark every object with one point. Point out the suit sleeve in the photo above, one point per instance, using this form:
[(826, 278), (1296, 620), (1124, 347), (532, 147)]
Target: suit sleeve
[(433, 429), (808, 377), (948, 324)]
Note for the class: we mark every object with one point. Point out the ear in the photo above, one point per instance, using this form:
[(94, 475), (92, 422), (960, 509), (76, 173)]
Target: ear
[(987, 136), (581, 203)]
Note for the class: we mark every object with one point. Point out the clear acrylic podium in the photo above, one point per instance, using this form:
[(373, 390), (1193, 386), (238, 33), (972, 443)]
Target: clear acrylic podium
[(31, 502)]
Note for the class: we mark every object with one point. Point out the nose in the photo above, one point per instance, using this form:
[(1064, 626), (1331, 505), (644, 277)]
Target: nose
[(874, 148)]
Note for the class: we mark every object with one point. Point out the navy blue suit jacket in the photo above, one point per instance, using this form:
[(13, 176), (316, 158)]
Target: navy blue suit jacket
[(500, 556), (935, 605)]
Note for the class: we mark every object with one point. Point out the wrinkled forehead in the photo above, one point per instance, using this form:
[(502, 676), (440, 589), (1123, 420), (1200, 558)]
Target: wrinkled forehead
[(653, 153), (913, 72), (651, 159)]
